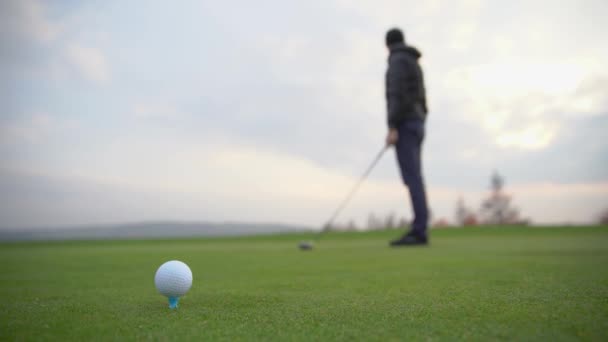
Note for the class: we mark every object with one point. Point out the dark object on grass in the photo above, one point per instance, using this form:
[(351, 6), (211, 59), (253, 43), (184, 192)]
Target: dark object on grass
[(410, 240), (305, 245)]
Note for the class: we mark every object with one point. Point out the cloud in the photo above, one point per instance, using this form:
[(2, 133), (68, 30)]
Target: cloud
[(26, 19), (26, 129), (548, 202), (89, 61), (26, 35), (197, 183), (283, 109), (241, 183), (524, 104), (532, 137), (589, 99), (550, 189), (155, 110), (578, 155)]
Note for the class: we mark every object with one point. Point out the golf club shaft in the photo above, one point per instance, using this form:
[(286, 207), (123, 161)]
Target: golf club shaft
[(352, 192)]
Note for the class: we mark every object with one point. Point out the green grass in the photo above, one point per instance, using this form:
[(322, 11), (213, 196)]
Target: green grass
[(546, 284)]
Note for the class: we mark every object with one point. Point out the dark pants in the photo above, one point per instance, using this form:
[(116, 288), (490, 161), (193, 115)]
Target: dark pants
[(409, 153)]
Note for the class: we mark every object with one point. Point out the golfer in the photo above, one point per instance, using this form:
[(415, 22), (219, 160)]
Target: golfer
[(407, 111)]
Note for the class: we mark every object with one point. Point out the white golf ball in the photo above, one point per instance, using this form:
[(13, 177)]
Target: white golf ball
[(173, 278)]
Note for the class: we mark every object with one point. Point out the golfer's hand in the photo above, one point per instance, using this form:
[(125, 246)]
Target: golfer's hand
[(392, 137)]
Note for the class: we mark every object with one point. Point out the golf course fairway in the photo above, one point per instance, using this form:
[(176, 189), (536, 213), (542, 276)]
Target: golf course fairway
[(491, 283)]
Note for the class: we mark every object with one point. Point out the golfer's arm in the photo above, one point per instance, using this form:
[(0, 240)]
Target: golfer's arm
[(395, 93)]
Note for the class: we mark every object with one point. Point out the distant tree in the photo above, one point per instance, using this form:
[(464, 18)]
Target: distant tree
[(470, 220), (496, 208), (389, 222), (461, 211), (373, 222), (441, 223), (604, 217), (402, 223), (351, 226), (464, 215)]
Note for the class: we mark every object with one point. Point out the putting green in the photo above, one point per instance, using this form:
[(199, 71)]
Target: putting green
[(470, 284)]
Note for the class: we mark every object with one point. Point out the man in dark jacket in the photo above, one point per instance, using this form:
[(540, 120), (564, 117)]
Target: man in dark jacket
[(407, 111)]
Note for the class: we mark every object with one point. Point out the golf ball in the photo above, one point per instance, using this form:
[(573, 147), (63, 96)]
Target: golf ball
[(173, 279)]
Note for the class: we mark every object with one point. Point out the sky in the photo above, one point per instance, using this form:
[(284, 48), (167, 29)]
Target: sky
[(269, 111)]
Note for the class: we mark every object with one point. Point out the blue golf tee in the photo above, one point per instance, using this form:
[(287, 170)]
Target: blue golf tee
[(173, 302)]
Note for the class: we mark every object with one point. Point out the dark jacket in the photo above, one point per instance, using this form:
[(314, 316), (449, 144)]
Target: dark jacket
[(405, 93)]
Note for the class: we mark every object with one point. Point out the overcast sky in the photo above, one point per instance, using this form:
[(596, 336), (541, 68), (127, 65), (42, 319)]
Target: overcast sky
[(268, 111)]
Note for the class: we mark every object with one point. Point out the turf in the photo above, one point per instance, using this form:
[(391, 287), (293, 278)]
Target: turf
[(470, 284)]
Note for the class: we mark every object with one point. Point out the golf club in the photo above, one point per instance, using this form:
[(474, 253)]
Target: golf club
[(307, 245)]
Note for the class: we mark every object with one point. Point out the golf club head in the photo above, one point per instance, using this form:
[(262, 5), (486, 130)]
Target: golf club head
[(305, 245)]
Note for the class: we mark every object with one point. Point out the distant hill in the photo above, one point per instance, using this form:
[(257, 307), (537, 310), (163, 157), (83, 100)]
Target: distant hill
[(166, 229)]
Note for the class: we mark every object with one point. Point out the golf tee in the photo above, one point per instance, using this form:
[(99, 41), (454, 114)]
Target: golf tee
[(173, 302)]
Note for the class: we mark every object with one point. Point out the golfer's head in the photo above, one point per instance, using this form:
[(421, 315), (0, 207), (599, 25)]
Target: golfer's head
[(394, 36)]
